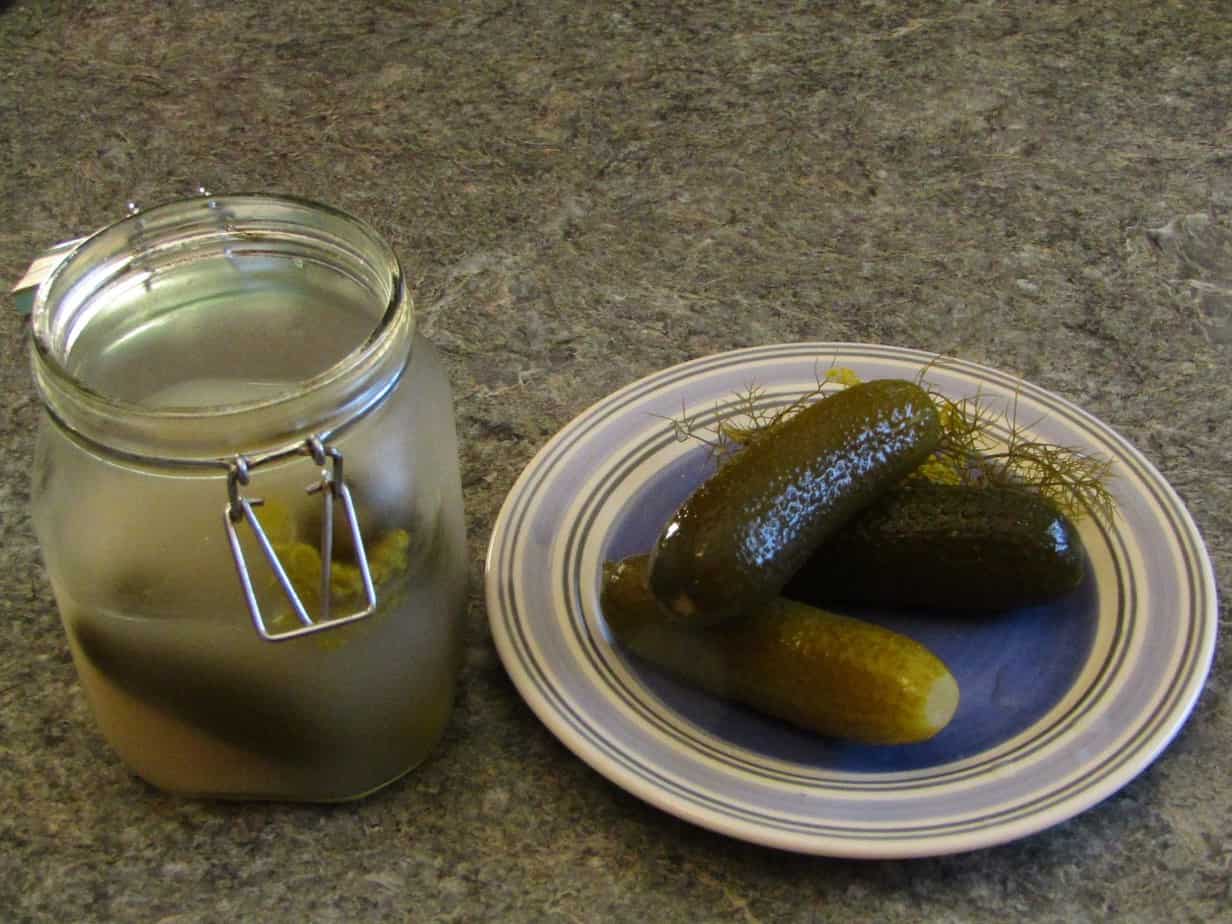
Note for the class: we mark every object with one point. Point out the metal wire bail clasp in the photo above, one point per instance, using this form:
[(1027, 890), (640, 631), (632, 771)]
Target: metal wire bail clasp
[(331, 487)]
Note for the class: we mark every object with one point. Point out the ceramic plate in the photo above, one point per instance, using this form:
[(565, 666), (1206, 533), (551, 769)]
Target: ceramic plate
[(1061, 704)]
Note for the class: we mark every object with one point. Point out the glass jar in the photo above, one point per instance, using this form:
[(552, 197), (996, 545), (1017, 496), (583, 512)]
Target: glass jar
[(247, 496)]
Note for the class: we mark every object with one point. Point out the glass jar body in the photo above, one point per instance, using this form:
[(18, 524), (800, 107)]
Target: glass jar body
[(182, 686), (133, 526)]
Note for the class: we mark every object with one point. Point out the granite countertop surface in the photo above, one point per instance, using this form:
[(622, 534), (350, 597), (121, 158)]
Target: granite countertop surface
[(583, 193)]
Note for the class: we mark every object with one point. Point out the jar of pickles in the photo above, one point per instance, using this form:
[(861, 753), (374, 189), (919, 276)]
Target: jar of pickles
[(247, 496)]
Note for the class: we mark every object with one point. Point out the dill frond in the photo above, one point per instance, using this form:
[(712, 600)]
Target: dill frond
[(970, 452), (748, 417)]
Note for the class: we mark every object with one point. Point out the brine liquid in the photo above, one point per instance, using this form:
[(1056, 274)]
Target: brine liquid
[(221, 330)]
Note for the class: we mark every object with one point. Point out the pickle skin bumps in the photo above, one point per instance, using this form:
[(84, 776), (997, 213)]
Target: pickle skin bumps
[(825, 673), (736, 541)]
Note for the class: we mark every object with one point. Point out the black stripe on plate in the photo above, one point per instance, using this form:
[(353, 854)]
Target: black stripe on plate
[(551, 456)]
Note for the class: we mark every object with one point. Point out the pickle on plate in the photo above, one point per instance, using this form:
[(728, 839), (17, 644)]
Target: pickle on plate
[(946, 546), (738, 538), (820, 671)]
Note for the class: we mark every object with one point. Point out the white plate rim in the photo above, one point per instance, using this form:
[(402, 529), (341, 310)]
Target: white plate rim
[(549, 696)]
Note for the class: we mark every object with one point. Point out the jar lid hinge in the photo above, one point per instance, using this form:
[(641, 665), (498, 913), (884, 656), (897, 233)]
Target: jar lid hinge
[(332, 488)]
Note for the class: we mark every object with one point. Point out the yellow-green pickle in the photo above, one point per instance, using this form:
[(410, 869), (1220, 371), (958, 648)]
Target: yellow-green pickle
[(820, 671)]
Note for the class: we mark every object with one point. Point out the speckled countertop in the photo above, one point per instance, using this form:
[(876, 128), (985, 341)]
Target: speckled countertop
[(583, 193)]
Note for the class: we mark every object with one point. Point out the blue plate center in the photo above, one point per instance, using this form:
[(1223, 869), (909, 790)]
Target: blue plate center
[(1012, 667)]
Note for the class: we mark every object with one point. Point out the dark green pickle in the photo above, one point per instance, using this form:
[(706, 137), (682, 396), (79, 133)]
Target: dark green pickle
[(736, 541), (257, 715), (954, 547)]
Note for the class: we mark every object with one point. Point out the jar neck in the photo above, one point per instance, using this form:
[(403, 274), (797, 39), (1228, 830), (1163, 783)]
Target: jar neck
[(233, 305)]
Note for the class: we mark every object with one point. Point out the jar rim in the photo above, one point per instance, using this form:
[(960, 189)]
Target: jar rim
[(322, 402)]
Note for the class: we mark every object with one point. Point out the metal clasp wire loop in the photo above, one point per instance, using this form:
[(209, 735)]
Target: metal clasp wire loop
[(331, 487)]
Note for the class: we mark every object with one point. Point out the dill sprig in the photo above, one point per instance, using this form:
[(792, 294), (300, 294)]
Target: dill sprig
[(970, 452), (756, 420)]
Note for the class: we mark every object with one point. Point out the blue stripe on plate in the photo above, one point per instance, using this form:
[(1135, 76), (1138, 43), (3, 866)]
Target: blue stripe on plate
[(554, 706)]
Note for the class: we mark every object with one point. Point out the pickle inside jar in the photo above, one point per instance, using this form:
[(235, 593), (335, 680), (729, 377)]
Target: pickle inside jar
[(254, 698)]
